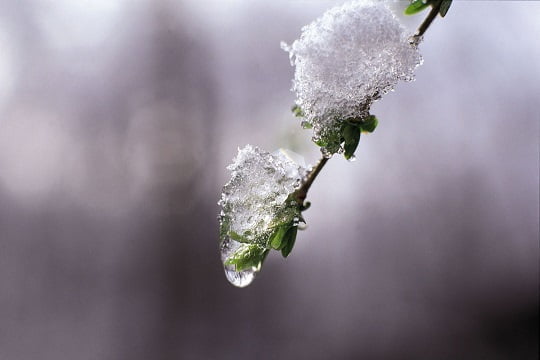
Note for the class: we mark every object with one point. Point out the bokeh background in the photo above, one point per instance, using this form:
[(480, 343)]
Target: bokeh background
[(118, 118)]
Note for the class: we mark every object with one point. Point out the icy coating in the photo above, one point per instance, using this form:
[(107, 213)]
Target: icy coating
[(344, 61), (254, 202), (228, 248)]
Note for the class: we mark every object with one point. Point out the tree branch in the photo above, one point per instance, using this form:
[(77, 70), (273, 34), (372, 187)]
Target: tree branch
[(301, 193), (429, 19)]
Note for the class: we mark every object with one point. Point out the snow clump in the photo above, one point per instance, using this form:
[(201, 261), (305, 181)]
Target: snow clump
[(255, 202), (344, 61)]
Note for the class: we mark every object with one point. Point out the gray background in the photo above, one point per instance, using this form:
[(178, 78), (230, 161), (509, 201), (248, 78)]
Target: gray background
[(117, 119)]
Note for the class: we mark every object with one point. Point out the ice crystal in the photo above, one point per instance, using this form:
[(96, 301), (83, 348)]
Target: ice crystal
[(344, 61), (255, 203)]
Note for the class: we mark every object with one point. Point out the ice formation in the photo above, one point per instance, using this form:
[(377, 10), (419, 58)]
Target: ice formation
[(255, 202), (344, 61)]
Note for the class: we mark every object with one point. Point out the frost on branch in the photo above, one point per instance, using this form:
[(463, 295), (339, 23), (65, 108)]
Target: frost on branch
[(344, 61), (259, 211)]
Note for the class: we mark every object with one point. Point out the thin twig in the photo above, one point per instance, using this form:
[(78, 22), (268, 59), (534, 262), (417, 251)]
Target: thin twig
[(429, 19), (301, 193)]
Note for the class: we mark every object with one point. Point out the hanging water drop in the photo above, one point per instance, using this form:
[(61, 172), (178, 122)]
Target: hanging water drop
[(237, 278)]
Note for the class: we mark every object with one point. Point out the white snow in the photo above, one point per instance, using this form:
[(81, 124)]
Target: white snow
[(347, 59), (255, 201)]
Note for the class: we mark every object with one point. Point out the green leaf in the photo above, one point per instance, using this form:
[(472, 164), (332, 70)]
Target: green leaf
[(351, 136), (297, 111), (445, 5), (289, 239), (321, 143), (248, 256), (237, 237), (276, 239), (416, 6), (370, 124)]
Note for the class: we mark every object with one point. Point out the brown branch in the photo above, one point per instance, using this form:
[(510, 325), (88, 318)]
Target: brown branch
[(301, 193), (429, 19)]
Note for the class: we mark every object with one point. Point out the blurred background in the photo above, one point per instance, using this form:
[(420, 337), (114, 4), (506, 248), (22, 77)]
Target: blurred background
[(118, 118)]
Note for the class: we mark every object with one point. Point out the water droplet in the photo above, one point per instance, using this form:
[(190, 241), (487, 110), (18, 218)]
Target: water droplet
[(239, 278), (415, 40), (325, 153)]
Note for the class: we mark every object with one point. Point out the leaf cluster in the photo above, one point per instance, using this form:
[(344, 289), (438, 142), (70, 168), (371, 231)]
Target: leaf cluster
[(247, 257), (281, 236), (252, 255)]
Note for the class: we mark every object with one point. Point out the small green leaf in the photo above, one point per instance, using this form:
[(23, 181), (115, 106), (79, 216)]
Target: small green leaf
[(416, 6), (237, 237), (276, 239), (248, 256), (445, 5), (297, 111), (351, 136), (370, 124), (289, 239), (321, 143)]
